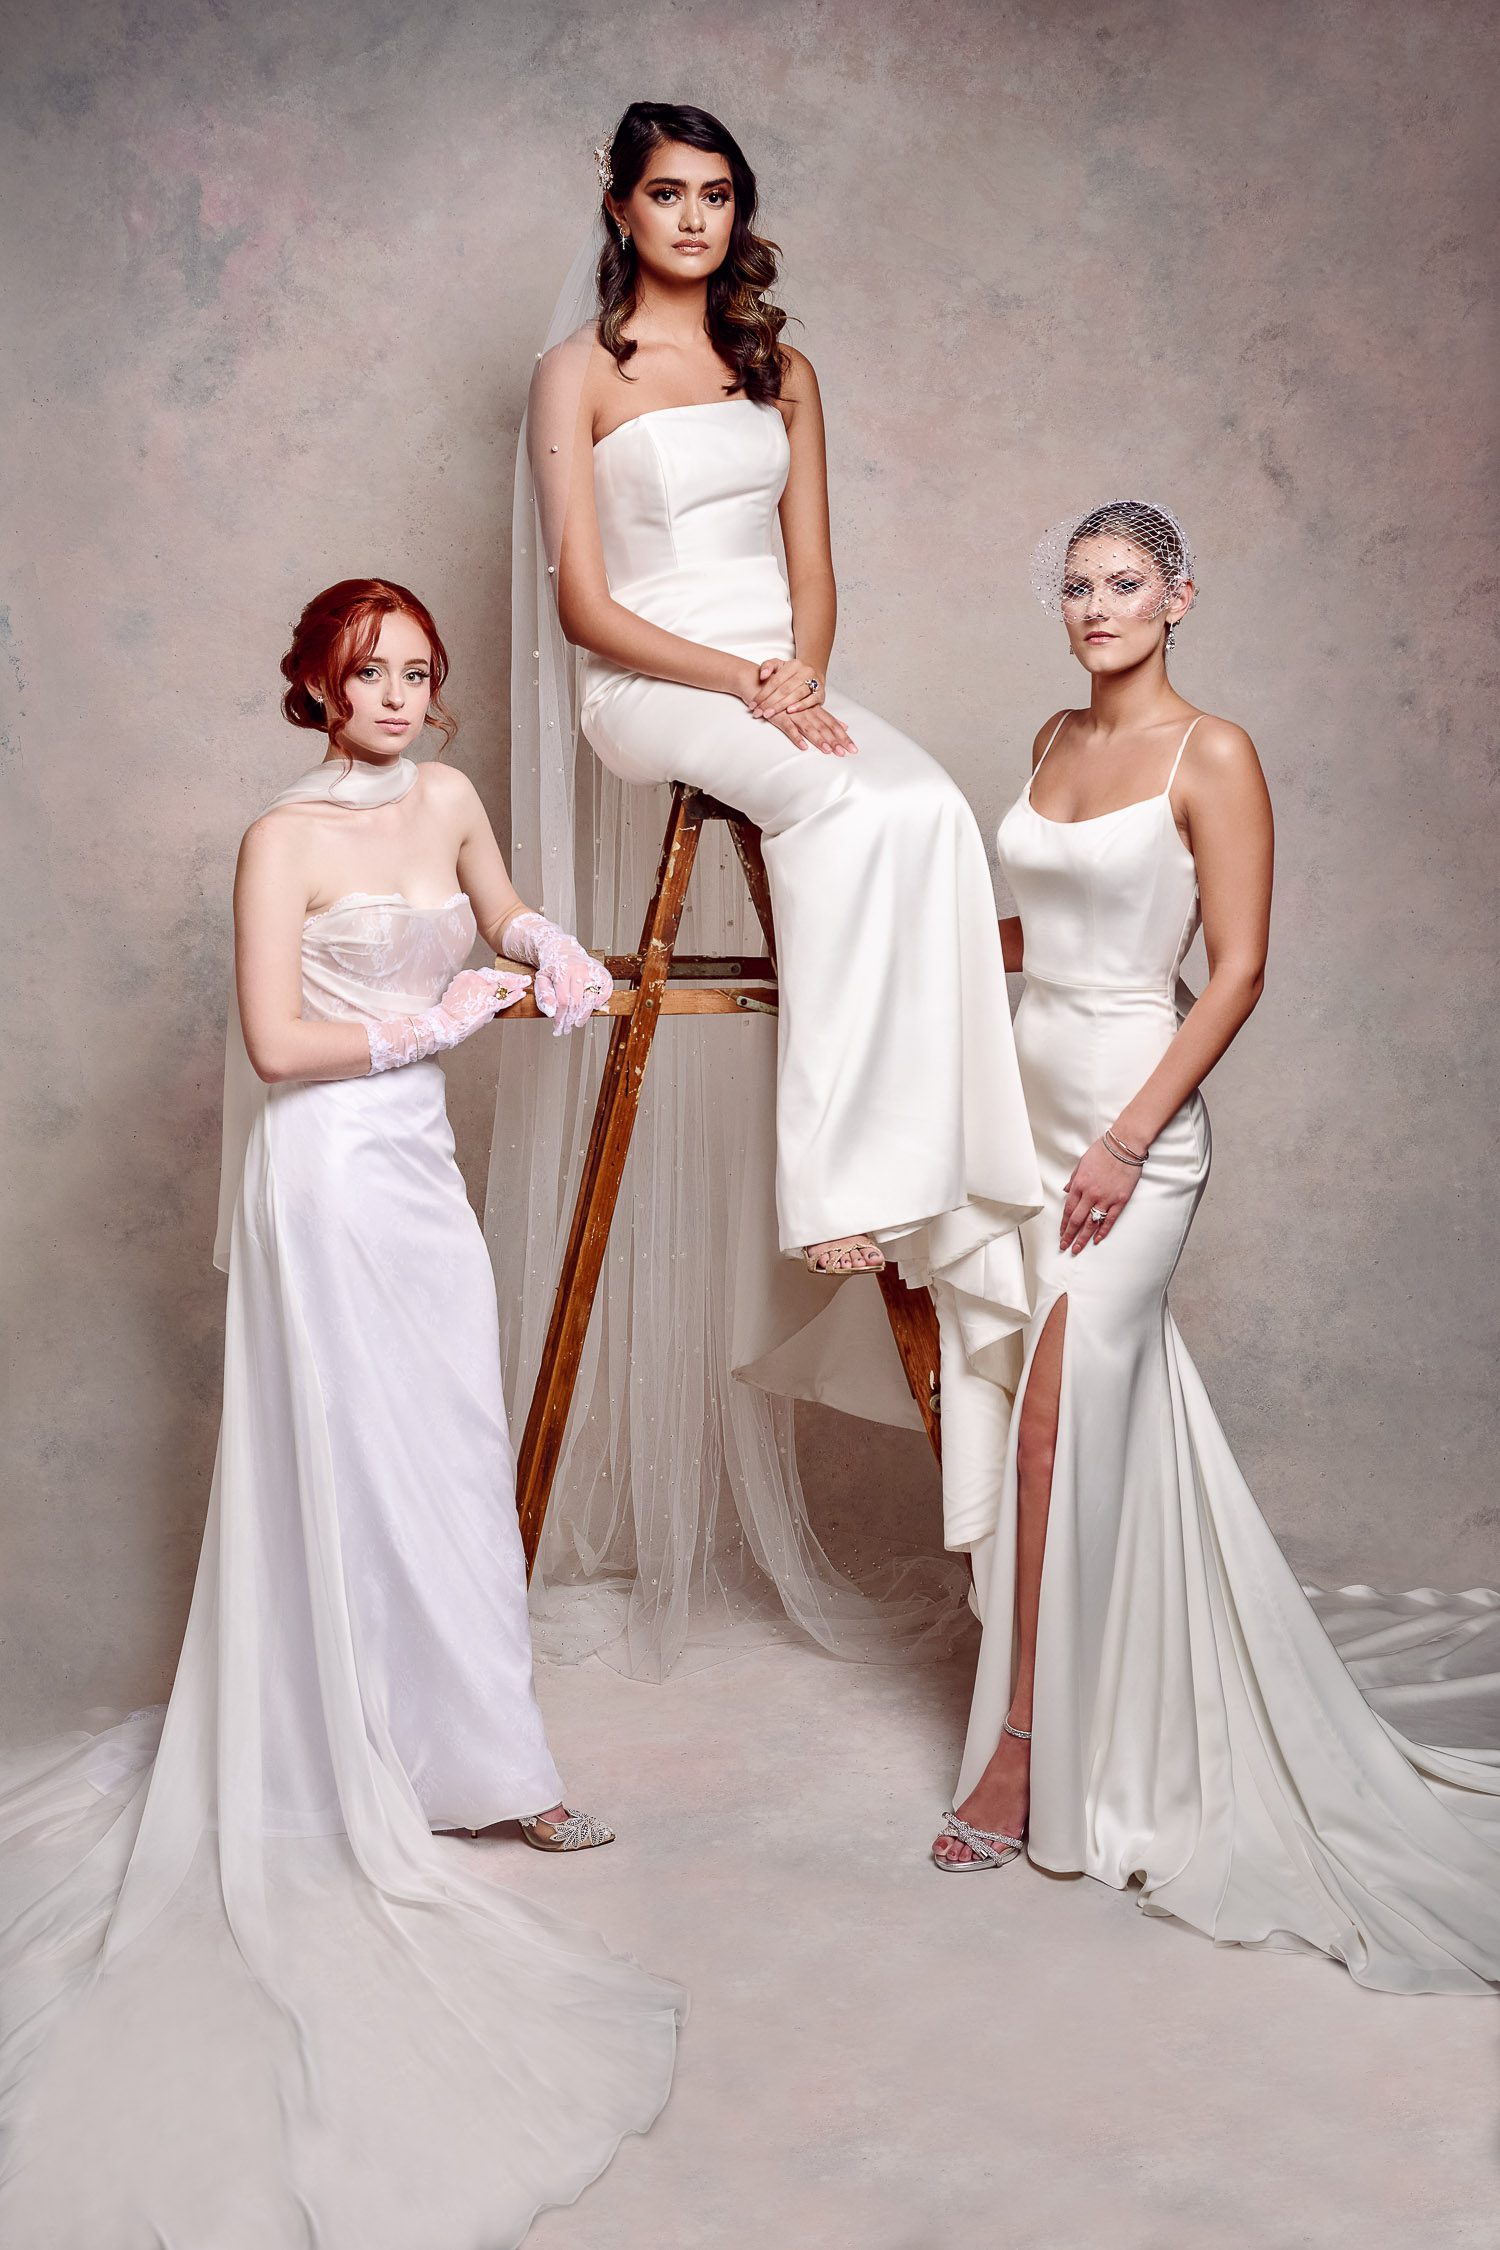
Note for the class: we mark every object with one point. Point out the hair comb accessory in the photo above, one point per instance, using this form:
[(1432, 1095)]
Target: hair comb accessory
[(604, 168)]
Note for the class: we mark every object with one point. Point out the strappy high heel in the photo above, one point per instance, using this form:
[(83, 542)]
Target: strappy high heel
[(981, 1841), (580, 1832)]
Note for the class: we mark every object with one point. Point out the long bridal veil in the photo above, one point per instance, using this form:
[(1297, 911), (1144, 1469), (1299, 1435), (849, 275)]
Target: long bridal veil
[(678, 1520), (245, 1997)]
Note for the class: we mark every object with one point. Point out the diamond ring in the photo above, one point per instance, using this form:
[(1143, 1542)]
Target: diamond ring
[(811, 688), (1098, 1215)]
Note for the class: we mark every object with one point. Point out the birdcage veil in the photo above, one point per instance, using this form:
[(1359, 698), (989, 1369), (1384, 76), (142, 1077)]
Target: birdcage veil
[(1144, 531)]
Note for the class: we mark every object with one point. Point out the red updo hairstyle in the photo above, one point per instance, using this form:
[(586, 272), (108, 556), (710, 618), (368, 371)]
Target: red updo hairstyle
[(335, 635)]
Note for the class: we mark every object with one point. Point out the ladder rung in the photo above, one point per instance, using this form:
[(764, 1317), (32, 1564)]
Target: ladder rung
[(713, 968), (686, 1000)]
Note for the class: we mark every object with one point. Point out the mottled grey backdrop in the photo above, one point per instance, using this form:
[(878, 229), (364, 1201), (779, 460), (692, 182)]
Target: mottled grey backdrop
[(274, 281)]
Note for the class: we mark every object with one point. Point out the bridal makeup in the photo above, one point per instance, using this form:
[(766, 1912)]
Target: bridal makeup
[(389, 693), (681, 213), (1112, 597)]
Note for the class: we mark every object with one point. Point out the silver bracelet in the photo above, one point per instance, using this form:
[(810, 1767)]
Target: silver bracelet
[(1118, 1150)]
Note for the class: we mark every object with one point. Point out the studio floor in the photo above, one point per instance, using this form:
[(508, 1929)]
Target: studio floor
[(884, 2057)]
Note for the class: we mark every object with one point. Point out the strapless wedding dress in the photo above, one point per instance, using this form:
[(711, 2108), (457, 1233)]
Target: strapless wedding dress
[(1195, 1728), (249, 1998), (898, 1105)]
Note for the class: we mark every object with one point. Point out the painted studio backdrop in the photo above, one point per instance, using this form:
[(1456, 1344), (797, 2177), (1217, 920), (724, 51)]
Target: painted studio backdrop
[(274, 282)]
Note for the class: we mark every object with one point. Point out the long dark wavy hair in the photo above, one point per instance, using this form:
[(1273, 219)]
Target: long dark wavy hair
[(743, 325)]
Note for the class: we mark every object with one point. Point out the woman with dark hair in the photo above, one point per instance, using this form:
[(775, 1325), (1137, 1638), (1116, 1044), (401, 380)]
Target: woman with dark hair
[(704, 433), (249, 1996), (674, 437), (1158, 1701)]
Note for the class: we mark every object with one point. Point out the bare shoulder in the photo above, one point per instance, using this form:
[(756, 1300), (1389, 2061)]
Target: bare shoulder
[(1046, 731), (576, 352), (799, 381), (1221, 752), (444, 785), (448, 793), (566, 384), (280, 839), (595, 368), (274, 870)]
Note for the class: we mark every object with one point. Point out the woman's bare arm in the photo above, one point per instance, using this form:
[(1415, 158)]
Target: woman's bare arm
[(482, 872), (1228, 808), (805, 532), (271, 897), (561, 414)]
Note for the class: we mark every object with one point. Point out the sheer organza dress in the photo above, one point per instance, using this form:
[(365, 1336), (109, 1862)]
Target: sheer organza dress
[(250, 1999), (1274, 1768)]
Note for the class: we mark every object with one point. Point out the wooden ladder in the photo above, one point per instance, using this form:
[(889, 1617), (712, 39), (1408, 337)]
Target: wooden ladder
[(652, 982)]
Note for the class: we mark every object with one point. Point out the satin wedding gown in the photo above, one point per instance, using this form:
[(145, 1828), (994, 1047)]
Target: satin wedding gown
[(1195, 1727), (250, 1999), (898, 1105)]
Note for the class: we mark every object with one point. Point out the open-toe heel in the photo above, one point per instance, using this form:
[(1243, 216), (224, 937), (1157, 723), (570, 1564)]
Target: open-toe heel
[(833, 1252), (580, 1832), (982, 1843)]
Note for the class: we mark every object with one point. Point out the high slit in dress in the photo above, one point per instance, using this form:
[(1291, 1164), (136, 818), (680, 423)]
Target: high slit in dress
[(1195, 1728)]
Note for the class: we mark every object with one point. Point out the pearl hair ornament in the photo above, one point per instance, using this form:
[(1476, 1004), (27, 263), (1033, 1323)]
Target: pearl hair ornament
[(606, 171)]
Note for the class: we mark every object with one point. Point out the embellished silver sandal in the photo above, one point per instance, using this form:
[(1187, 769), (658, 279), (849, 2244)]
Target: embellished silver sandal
[(580, 1832), (981, 1841)]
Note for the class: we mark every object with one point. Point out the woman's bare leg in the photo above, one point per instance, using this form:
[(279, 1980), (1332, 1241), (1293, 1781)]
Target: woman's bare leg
[(999, 1800)]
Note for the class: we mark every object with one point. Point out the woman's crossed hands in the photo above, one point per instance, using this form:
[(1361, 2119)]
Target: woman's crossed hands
[(788, 694)]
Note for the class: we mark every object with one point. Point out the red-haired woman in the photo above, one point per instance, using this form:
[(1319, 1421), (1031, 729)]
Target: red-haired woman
[(357, 1666)]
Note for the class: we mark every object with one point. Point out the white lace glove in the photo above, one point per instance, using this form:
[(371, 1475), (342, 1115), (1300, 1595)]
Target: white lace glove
[(471, 1000), (569, 983)]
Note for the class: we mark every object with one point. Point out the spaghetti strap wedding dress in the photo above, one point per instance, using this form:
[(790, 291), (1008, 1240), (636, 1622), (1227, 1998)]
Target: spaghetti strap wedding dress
[(1196, 1728), (249, 1998)]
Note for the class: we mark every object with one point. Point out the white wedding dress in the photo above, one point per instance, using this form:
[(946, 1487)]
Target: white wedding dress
[(249, 1999), (1274, 1769), (898, 1104)]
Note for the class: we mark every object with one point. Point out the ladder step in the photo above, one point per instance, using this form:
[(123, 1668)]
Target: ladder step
[(688, 1000), (656, 981), (711, 968)]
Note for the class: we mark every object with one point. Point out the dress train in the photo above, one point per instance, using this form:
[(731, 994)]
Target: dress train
[(1195, 1730), (247, 1998)]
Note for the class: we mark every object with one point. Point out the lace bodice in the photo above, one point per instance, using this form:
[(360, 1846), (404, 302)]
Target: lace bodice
[(376, 954)]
